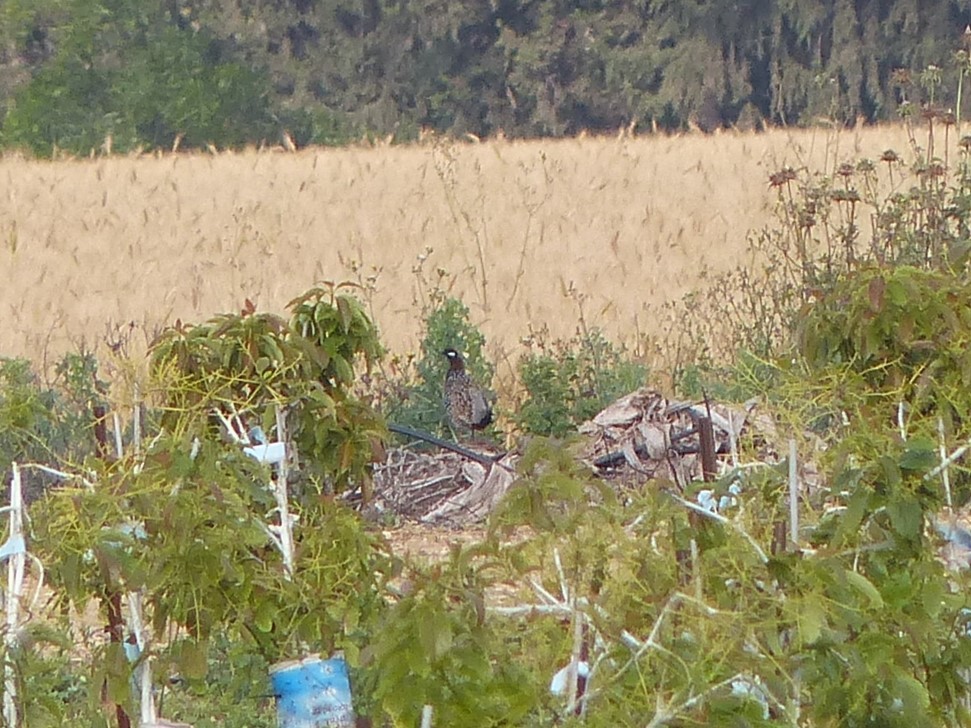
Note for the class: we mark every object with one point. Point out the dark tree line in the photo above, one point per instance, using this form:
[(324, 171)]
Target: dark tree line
[(229, 72)]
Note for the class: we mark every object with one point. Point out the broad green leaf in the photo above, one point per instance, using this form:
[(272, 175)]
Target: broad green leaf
[(345, 307), (117, 674), (896, 292), (435, 634), (932, 598), (865, 587), (192, 658), (919, 454), (352, 654), (912, 694), (906, 516), (263, 617), (852, 517), (891, 471), (811, 617), (344, 372)]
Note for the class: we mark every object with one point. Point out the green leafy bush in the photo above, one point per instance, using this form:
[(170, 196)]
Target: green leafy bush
[(903, 329), (50, 424), (235, 692), (568, 382), (252, 363), (419, 403), (910, 208), (862, 627), (188, 519), (437, 646)]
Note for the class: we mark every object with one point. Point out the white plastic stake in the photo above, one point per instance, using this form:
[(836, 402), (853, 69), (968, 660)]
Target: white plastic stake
[(148, 712), (793, 494), (119, 447), (282, 499), (15, 587), (136, 420), (732, 438), (572, 675), (945, 474)]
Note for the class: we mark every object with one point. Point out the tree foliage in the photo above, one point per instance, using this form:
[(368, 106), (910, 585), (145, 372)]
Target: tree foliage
[(229, 72), (186, 519), (124, 74)]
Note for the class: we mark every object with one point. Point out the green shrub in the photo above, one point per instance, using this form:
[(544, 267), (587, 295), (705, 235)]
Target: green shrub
[(235, 692), (188, 519), (437, 646), (50, 424), (902, 209), (419, 404), (254, 362), (568, 382), (902, 328)]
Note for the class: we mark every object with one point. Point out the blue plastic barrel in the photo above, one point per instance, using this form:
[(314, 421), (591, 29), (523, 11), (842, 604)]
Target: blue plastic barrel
[(313, 693)]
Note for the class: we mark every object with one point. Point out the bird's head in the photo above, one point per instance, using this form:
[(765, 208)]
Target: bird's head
[(454, 358)]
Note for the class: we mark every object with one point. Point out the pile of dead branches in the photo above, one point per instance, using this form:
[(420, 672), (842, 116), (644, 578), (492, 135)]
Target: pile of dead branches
[(640, 437), (440, 488)]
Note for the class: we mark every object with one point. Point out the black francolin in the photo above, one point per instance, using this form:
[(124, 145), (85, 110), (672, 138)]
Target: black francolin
[(465, 404)]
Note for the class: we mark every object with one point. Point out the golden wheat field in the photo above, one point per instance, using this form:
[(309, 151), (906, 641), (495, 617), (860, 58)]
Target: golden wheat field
[(526, 233)]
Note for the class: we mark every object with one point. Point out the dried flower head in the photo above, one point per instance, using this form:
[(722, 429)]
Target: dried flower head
[(889, 156), (901, 77), (849, 195), (783, 176)]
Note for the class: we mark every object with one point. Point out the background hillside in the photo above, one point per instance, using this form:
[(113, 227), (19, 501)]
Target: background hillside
[(156, 73)]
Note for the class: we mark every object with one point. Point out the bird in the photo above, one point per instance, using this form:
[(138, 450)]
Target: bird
[(465, 403)]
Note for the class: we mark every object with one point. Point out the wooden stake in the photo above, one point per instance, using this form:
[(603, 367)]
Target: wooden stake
[(101, 430), (706, 440), (683, 559), (111, 599)]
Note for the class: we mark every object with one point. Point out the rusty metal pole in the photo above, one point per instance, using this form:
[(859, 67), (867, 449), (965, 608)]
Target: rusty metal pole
[(778, 537), (709, 472), (706, 441)]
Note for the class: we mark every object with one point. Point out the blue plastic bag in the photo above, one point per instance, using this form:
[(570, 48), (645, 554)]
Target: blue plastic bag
[(313, 693)]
